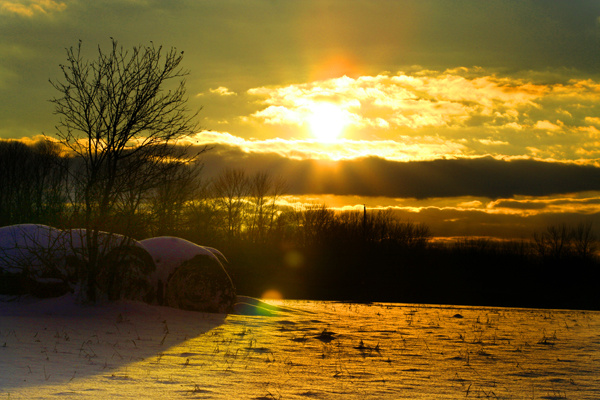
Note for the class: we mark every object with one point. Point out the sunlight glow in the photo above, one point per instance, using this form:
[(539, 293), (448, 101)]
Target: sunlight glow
[(326, 121), (404, 148), (272, 294)]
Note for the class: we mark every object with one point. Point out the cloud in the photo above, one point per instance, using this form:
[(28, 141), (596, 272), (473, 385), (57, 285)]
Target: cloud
[(470, 204), (373, 176), (564, 204), (29, 8), (402, 100), (223, 91), (547, 125), (403, 149), (518, 205), (502, 116), (592, 120), (490, 142)]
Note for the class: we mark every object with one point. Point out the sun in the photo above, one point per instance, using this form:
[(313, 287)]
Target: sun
[(326, 121)]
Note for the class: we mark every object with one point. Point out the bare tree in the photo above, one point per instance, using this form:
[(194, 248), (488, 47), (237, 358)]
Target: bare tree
[(540, 244), (118, 118), (554, 242), (584, 240), (378, 226), (202, 215), (260, 185), (15, 204), (32, 182), (279, 187), (317, 223), (410, 234), (230, 191), (559, 238), (264, 192), (50, 182), (178, 187)]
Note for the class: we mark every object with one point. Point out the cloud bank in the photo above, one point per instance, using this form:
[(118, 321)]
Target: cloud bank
[(373, 176), (473, 111)]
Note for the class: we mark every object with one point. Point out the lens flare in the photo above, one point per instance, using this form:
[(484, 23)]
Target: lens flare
[(272, 294), (293, 259)]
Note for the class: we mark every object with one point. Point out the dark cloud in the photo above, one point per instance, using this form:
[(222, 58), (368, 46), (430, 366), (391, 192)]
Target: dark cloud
[(371, 176), (542, 204), (520, 205)]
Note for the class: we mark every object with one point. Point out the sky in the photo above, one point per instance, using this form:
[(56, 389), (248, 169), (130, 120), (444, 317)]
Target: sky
[(476, 118)]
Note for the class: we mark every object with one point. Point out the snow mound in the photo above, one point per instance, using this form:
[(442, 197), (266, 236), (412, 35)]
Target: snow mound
[(168, 253), (29, 248), (43, 261), (189, 276), (47, 262), (201, 284)]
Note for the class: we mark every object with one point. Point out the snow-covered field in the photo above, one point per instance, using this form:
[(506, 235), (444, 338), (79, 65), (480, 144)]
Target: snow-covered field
[(323, 350)]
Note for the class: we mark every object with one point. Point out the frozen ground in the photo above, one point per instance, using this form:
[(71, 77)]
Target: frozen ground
[(319, 350)]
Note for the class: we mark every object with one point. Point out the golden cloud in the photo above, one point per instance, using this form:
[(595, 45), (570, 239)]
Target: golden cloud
[(430, 114), (490, 142), (470, 204), (590, 204), (404, 149), (223, 91), (415, 102), (546, 125), (592, 120), (29, 8), (428, 99), (508, 207)]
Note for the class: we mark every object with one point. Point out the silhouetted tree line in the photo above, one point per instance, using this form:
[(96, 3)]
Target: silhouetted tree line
[(310, 251), (33, 183), (556, 268)]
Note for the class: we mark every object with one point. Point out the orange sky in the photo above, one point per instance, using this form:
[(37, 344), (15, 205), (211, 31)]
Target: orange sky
[(431, 108)]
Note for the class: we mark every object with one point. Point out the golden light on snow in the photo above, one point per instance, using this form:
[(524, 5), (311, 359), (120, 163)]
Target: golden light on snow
[(53, 348), (326, 121)]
